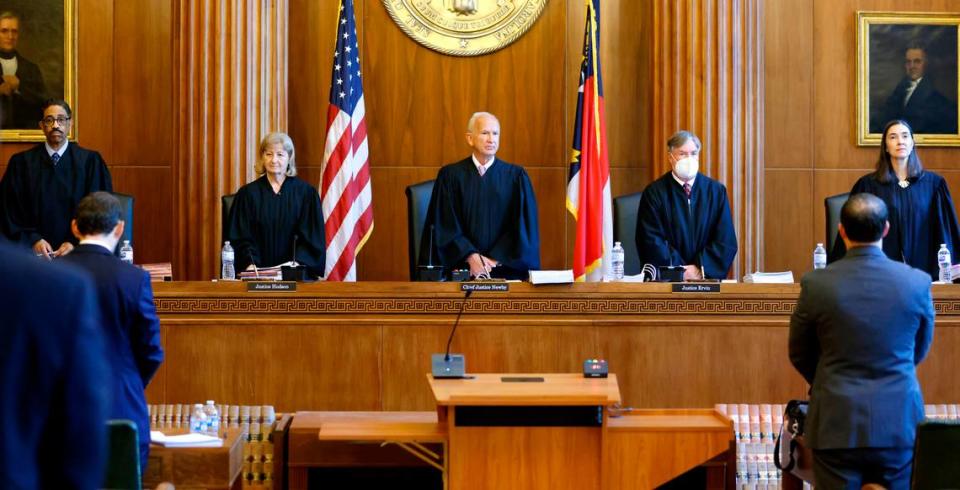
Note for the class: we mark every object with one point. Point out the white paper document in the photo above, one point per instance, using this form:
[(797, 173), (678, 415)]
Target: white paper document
[(551, 277), (184, 440), (769, 278)]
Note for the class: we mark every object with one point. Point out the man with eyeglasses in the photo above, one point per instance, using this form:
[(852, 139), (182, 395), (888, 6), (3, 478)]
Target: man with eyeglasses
[(43, 185), (22, 90), (684, 217)]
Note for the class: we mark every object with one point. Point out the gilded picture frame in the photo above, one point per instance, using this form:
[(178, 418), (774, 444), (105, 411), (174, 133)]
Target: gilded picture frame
[(907, 69), (44, 48)]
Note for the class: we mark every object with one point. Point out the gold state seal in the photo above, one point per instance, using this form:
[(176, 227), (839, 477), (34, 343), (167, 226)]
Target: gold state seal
[(465, 27)]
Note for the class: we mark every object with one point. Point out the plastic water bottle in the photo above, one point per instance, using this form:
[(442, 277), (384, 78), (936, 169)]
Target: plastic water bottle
[(616, 262), (126, 252), (226, 258), (213, 419), (819, 257), (943, 260), (198, 420)]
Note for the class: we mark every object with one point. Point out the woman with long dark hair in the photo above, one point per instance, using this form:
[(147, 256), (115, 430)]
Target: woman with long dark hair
[(922, 215)]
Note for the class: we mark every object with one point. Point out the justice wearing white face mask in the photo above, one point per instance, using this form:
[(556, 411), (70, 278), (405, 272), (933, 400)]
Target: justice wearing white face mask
[(686, 168), (684, 218)]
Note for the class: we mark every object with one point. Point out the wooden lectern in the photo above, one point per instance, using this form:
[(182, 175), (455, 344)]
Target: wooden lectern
[(530, 431)]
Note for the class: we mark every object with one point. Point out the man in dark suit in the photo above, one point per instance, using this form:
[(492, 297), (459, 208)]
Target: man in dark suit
[(43, 185), (53, 402), (129, 322), (22, 89), (916, 101), (860, 328)]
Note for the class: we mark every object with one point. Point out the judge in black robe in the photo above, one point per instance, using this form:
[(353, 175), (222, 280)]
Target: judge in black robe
[(696, 231), (921, 211), (265, 222), (486, 223), (40, 197)]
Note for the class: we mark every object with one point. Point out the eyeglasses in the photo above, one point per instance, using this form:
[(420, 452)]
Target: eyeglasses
[(49, 120)]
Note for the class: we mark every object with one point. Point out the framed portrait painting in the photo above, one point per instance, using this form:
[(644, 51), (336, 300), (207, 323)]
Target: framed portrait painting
[(907, 69), (38, 62)]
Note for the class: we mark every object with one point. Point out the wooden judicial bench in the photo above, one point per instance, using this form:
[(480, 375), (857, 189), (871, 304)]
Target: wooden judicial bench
[(364, 347)]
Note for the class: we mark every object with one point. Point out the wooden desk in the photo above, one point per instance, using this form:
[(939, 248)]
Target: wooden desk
[(197, 468), (647, 448), (365, 346), (330, 440), (532, 431)]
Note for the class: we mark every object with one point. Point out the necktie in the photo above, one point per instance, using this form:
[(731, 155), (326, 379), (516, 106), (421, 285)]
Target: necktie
[(686, 189), (55, 157), (481, 169)]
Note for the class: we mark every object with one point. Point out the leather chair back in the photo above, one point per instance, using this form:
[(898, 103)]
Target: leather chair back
[(625, 230), (418, 203)]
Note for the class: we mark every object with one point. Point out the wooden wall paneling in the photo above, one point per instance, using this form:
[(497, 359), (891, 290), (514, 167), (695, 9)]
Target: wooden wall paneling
[(550, 187), (141, 117), (789, 221), (419, 100), (708, 68), (153, 234), (289, 364), (228, 77), (491, 345), (788, 65), (385, 255), (143, 75), (98, 42), (937, 373), (697, 367), (312, 30)]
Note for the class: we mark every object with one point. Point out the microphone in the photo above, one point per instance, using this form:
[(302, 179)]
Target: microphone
[(446, 365)]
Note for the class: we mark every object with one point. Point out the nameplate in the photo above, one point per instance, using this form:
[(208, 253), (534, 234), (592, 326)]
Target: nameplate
[(271, 286), (682, 287), (484, 286)]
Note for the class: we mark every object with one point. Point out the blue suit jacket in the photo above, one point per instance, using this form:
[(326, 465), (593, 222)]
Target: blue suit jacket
[(131, 329), (53, 402), (860, 328)]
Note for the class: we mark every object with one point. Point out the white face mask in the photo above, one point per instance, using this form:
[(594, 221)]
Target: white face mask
[(686, 168)]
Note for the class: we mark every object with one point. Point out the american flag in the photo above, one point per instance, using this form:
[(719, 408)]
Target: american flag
[(588, 190), (345, 190)]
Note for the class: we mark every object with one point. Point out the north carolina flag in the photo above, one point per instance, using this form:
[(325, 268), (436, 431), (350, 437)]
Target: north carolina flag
[(588, 190), (345, 193)]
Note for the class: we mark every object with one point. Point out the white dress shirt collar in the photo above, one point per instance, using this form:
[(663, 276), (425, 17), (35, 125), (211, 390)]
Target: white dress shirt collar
[(486, 166)]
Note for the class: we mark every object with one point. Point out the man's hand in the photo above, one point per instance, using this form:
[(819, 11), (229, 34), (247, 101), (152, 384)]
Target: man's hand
[(480, 265), (691, 272), (5, 89), (12, 81), (64, 249), (43, 249)]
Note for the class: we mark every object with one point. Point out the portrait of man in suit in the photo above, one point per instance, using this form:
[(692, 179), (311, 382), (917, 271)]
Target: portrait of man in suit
[(913, 76), (22, 89), (37, 62)]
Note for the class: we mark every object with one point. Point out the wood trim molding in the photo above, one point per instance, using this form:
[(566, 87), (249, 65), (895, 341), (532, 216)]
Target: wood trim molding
[(232, 62)]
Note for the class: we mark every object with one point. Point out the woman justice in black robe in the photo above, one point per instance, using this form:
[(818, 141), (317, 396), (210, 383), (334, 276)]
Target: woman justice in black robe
[(922, 215), (277, 213)]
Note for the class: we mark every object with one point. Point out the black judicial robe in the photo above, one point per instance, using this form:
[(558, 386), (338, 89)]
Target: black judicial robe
[(263, 224), (494, 215), (671, 231), (922, 217), (40, 199)]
